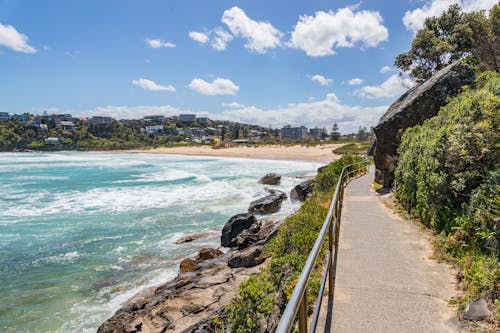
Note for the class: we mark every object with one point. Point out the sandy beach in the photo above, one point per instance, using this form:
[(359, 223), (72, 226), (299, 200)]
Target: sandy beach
[(319, 153)]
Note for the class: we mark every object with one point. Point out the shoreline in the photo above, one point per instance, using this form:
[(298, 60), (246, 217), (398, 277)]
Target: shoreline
[(318, 154)]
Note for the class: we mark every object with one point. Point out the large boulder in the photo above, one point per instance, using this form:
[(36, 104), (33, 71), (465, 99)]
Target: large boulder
[(207, 253), (302, 191), (270, 179), (234, 227), (416, 105), (266, 205)]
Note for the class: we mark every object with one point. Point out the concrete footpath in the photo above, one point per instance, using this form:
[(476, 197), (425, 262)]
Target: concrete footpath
[(386, 280)]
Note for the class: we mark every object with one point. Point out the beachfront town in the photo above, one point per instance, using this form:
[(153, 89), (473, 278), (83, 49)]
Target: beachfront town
[(53, 129)]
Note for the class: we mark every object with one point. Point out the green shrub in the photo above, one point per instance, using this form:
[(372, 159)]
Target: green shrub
[(448, 176)]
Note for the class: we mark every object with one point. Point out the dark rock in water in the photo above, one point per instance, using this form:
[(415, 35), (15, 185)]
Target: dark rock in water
[(477, 310), (278, 193), (247, 258), (302, 191), (270, 179), (416, 105), (208, 253), (234, 227), (190, 238), (188, 265), (266, 205)]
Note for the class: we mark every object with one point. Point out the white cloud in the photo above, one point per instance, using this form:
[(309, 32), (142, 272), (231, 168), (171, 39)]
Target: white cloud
[(14, 40), (321, 79), (233, 105), (392, 87), (222, 37), (318, 35), (261, 36), (385, 69), (200, 37), (218, 86), (158, 43), (355, 81), (152, 86), (414, 19), (320, 113)]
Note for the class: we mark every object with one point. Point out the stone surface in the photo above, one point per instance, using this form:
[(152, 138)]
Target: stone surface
[(302, 191), (234, 227), (266, 205), (418, 104), (185, 304), (188, 265), (477, 310), (207, 253), (247, 258), (270, 179)]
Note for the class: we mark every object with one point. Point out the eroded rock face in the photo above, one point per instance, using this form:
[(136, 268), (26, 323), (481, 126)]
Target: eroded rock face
[(416, 105), (270, 179), (302, 191), (234, 227)]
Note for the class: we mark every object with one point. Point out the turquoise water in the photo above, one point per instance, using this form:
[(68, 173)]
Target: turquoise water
[(80, 233)]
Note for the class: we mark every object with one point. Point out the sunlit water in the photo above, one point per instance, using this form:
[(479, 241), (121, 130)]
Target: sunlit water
[(80, 233)]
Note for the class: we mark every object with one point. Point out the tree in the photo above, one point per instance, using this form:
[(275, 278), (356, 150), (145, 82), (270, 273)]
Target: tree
[(335, 135), (452, 36)]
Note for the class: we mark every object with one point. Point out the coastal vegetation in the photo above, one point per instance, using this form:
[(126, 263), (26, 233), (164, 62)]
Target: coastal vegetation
[(448, 176), (262, 297)]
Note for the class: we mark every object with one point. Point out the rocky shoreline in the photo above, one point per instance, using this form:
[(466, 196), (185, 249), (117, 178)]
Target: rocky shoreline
[(207, 282)]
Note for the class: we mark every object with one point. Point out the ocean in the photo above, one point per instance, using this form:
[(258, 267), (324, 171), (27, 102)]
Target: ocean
[(82, 232)]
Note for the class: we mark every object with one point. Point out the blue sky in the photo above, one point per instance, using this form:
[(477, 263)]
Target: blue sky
[(266, 62)]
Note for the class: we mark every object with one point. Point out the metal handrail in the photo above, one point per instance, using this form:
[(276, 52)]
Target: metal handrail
[(331, 226)]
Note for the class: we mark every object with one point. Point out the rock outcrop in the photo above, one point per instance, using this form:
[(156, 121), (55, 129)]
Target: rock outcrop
[(476, 310), (416, 105), (268, 204), (185, 304), (302, 191), (270, 179), (234, 227)]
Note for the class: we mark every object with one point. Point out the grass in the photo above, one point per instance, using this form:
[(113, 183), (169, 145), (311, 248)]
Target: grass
[(354, 148)]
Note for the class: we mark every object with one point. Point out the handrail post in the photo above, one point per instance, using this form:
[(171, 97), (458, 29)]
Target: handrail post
[(330, 250), (303, 313)]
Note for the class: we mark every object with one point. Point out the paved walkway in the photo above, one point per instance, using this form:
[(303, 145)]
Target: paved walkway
[(386, 281)]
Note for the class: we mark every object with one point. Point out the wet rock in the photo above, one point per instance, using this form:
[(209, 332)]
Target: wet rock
[(208, 253), (302, 191), (477, 310), (270, 179), (190, 238), (234, 227), (247, 258), (418, 104), (266, 205), (188, 265), (282, 195)]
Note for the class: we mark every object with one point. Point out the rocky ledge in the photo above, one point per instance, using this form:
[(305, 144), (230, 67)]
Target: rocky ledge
[(204, 285)]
